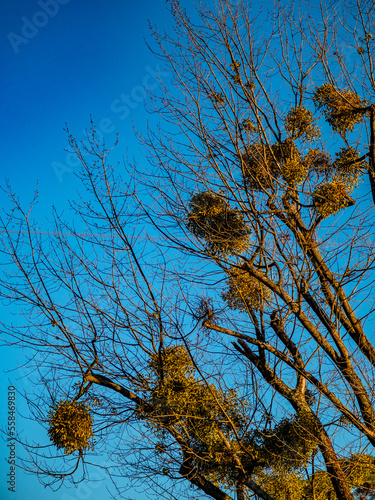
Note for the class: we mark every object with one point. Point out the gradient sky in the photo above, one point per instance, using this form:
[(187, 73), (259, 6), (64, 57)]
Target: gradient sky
[(62, 61)]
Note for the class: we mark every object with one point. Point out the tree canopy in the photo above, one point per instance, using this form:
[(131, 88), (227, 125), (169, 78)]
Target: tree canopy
[(207, 317)]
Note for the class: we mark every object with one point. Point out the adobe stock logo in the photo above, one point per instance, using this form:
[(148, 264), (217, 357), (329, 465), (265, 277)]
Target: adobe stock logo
[(30, 27)]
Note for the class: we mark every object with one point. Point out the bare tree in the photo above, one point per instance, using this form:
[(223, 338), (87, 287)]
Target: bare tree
[(216, 305)]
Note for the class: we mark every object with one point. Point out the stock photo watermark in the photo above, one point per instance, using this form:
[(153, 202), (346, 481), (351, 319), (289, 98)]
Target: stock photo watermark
[(31, 25), (122, 108), (11, 441)]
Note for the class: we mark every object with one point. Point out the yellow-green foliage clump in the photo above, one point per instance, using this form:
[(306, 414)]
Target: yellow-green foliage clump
[(217, 98), (199, 410), (290, 443), (288, 158), (343, 109), (330, 198), (223, 228), (173, 362), (260, 170), (319, 485), (248, 126), (263, 165), (235, 66), (283, 452), (359, 470), (348, 166), (299, 124), (294, 172), (285, 150), (282, 485), (215, 426), (245, 292), (318, 161), (70, 426)]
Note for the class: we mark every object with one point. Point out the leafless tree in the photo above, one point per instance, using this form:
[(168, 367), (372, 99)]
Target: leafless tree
[(216, 305)]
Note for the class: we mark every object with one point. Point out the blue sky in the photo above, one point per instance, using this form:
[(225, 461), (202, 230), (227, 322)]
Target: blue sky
[(83, 61), (62, 61)]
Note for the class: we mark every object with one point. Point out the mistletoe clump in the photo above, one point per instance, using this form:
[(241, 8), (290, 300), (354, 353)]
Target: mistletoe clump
[(284, 151), (288, 159), (349, 166), (264, 164), (299, 124), (70, 426), (343, 109), (294, 172), (217, 98), (282, 485), (248, 126), (223, 228), (198, 410), (260, 168), (236, 76), (318, 161), (330, 198), (172, 362), (359, 470), (290, 443), (245, 292)]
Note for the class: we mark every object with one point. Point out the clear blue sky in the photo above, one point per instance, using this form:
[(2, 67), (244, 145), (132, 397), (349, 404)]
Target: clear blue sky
[(62, 60)]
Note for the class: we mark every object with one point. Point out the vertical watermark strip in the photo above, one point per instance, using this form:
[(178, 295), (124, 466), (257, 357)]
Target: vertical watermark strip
[(11, 440)]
